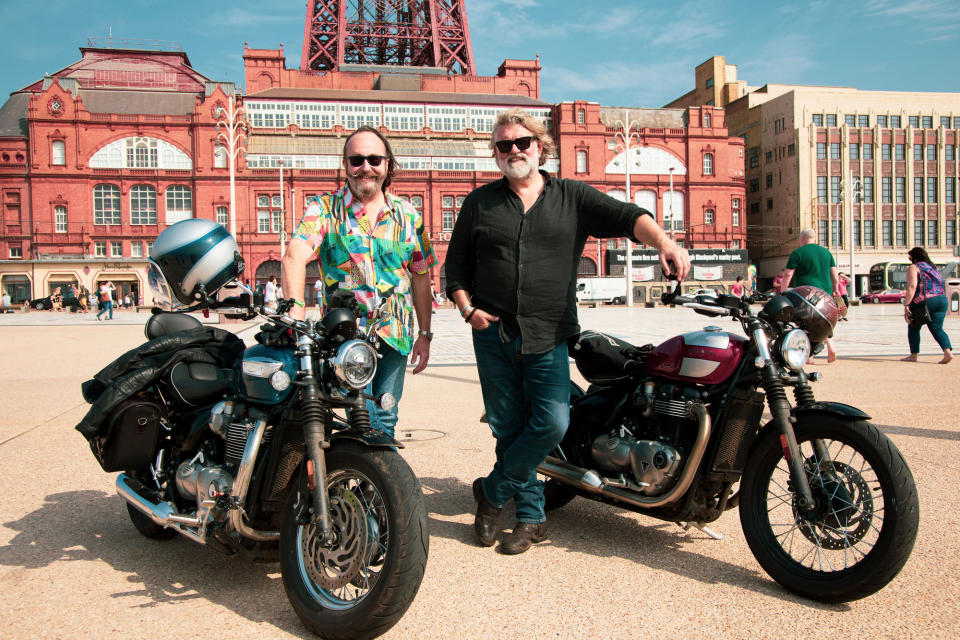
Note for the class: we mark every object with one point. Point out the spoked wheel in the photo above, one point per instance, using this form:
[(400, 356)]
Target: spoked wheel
[(361, 583), (862, 527)]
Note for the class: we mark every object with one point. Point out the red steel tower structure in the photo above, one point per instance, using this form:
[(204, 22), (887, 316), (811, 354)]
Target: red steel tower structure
[(410, 33)]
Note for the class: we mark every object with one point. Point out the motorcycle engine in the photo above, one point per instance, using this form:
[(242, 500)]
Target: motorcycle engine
[(654, 465), (652, 440)]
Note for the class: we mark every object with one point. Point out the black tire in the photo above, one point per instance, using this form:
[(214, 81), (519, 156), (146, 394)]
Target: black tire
[(148, 527), (864, 527), (901, 299), (372, 587), (556, 494), (876, 301), (39, 306)]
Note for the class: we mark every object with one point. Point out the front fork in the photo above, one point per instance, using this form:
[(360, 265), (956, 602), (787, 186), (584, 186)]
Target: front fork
[(314, 421), (780, 409)]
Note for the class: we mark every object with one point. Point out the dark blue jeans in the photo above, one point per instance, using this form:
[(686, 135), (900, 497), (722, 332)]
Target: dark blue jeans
[(391, 369), (938, 311), (527, 398)]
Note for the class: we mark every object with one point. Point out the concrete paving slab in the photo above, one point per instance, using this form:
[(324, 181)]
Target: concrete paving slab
[(72, 566)]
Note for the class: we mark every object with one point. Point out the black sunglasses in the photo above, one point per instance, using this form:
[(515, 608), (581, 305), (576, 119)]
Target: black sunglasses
[(522, 144), (373, 161)]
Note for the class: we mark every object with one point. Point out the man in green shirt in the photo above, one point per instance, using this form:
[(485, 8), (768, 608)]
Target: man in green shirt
[(812, 265)]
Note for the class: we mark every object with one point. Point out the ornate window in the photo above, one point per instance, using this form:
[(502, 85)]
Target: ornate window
[(106, 204), (179, 203), (143, 204), (60, 218), (581, 161), (220, 157), (708, 164), (140, 153), (58, 153), (222, 216)]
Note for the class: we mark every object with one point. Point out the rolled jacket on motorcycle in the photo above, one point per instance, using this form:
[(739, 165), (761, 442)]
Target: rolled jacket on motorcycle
[(264, 450), (677, 431)]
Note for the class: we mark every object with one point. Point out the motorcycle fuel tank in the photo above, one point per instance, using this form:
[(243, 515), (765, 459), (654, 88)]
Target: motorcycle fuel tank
[(705, 357), (268, 373)]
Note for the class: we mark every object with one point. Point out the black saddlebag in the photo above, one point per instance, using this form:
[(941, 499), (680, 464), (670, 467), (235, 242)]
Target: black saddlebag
[(130, 438), (603, 359)]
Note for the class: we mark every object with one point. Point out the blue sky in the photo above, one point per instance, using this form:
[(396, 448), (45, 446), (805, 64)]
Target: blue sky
[(613, 52)]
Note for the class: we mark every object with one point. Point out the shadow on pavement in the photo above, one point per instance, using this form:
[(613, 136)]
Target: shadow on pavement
[(606, 532), (92, 525)]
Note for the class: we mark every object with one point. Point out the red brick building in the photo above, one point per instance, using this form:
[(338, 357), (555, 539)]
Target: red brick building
[(98, 158)]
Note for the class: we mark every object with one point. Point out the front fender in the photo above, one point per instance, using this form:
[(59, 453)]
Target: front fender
[(835, 408), (366, 436)]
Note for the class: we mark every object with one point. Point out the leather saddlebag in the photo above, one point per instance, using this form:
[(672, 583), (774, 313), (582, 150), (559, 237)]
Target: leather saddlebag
[(130, 439)]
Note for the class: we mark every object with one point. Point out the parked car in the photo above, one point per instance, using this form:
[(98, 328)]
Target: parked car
[(888, 295), (69, 301)]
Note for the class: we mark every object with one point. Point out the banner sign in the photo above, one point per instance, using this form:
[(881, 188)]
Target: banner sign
[(643, 274), (618, 257), (707, 273)]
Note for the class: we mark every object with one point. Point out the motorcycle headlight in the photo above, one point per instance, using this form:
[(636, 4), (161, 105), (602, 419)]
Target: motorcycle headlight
[(355, 364), (795, 348)]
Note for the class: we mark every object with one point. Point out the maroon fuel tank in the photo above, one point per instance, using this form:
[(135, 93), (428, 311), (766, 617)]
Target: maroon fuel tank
[(705, 357)]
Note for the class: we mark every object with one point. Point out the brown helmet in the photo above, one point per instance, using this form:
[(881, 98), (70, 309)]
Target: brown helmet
[(815, 312)]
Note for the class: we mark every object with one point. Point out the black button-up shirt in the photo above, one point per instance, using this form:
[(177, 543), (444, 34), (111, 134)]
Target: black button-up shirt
[(523, 266)]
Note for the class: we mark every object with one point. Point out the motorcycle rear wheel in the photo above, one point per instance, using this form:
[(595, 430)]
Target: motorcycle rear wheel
[(361, 586), (862, 530), (556, 494)]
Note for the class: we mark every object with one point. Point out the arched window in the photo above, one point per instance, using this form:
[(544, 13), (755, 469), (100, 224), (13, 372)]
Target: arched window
[(708, 164), (581, 161), (673, 210), (106, 204), (143, 204), (58, 153), (179, 203), (220, 157), (586, 268), (647, 199)]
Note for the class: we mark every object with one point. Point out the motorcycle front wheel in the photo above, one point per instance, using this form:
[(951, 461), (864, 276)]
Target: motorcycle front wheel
[(362, 584), (861, 530)]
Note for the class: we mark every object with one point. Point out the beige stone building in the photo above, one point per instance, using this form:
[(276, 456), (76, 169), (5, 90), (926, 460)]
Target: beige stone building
[(878, 168)]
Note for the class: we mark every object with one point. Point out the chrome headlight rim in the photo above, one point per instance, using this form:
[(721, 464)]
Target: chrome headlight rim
[(342, 364), (795, 348)]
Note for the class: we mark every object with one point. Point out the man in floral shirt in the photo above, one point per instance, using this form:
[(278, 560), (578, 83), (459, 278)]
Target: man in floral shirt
[(374, 244)]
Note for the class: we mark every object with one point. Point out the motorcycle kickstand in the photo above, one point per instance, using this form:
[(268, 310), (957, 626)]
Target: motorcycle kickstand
[(686, 526)]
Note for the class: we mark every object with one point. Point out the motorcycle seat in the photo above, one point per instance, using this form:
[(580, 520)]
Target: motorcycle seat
[(195, 382), (165, 323)]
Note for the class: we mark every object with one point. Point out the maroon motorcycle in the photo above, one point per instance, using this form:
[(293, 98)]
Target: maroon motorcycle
[(827, 503)]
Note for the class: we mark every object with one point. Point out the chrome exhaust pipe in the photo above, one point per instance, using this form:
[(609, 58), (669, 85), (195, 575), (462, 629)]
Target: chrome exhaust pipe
[(591, 482), (162, 513)]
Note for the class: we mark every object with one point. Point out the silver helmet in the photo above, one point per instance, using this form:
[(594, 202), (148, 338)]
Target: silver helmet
[(191, 259)]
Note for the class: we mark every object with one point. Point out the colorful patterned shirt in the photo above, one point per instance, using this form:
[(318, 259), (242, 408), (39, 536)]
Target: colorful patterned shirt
[(374, 265)]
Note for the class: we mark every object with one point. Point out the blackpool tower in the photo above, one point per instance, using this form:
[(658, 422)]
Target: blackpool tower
[(410, 33)]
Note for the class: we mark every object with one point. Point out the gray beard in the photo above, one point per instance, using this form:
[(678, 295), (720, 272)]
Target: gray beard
[(364, 192), (517, 170)]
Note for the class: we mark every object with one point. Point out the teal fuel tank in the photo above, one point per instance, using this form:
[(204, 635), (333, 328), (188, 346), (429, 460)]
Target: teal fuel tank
[(268, 373)]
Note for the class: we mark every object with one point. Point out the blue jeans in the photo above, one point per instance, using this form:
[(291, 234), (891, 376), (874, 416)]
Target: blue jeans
[(105, 307), (938, 311), (389, 378), (527, 398)]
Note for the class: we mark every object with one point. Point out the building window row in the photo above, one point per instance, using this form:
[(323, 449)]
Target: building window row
[(862, 121), (115, 247), (396, 117), (143, 204), (888, 151), (892, 189)]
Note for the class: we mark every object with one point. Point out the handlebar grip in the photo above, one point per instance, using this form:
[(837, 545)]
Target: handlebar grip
[(670, 296)]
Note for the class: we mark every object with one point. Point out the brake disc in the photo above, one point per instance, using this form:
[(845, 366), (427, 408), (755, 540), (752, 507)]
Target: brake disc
[(845, 513), (336, 566)]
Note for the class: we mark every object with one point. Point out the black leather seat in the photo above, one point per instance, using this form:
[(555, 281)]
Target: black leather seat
[(165, 323)]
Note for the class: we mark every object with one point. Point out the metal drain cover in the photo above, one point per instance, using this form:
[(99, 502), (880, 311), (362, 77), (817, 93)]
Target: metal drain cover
[(417, 435)]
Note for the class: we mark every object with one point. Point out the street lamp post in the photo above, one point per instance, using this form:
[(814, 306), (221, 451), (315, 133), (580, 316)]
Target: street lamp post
[(671, 170), (235, 135), (283, 225), (855, 187), (624, 131)]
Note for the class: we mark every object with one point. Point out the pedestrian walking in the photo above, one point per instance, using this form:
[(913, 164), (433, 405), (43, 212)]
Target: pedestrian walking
[(812, 265), (925, 302)]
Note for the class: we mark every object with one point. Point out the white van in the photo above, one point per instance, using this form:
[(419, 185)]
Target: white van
[(612, 290)]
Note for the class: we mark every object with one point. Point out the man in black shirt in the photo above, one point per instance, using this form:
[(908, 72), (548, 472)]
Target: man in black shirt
[(512, 270)]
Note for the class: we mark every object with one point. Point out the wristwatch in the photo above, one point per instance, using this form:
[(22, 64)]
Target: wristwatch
[(427, 334)]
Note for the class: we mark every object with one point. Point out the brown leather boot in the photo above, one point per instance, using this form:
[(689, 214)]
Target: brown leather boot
[(486, 524), (524, 535)]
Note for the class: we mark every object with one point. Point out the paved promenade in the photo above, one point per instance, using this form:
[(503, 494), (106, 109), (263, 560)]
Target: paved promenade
[(72, 566)]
